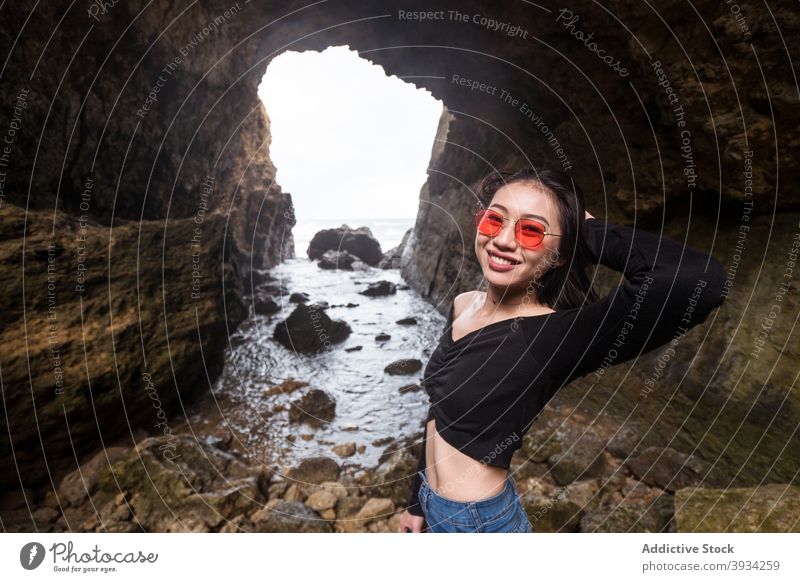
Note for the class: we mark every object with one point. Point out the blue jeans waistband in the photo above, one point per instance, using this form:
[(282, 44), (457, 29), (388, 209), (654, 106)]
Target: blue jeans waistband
[(495, 501)]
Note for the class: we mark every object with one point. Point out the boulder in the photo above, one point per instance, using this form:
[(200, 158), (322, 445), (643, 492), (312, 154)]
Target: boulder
[(341, 260), (345, 449), (358, 242), (265, 304), (289, 517), (577, 462), (415, 387), (551, 514), (314, 470), (403, 367), (392, 479), (256, 278), (374, 509), (667, 468), (286, 387), (393, 257), (379, 289), (321, 500), (299, 297), (315, 408), (310, 330)]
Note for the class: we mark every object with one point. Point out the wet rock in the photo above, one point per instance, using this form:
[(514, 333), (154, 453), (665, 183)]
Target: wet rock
[(354, 349), (383, 337), (256, 278), (667, 468), (299, 297), (310, 330), (407, 321), (345, 449), (289, 517), (379, 289), (358, 242), (403, 367), (416, 387), (766, 508), (393, 257), (338, 260), (286, 387), (315, 408), (314, 470), (382, 441), (264, 304), (276, 289)]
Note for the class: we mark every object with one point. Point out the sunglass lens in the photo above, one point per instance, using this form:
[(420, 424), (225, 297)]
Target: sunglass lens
[(530, 233), (489, 223)]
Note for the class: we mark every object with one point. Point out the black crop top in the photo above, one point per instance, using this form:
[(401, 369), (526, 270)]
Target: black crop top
[(486, 388)]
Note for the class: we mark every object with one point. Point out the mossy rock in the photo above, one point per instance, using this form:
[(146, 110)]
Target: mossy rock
[(767, 508)]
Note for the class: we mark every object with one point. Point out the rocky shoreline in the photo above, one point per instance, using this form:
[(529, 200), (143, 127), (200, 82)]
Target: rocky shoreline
[(568, 483)]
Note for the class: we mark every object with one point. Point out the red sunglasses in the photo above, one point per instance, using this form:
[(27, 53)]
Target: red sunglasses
[(530, 233)]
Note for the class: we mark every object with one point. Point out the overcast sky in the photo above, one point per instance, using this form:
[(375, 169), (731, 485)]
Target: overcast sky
[(347, 141)]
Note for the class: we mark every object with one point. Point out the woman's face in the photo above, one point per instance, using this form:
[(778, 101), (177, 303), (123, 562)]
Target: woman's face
[(515, 201)]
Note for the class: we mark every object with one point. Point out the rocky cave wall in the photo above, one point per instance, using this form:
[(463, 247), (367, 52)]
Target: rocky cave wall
[(150, 103)]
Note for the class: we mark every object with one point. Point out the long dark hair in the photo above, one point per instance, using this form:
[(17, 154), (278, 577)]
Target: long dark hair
[(565, 286)]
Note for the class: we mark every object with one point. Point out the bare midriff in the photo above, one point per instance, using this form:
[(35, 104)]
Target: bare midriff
[(456, 476)]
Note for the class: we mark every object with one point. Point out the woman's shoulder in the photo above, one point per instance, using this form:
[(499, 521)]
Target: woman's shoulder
[(462, 300)]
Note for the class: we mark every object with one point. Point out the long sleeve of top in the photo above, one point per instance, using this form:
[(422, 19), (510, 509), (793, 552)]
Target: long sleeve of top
[(487, 387)]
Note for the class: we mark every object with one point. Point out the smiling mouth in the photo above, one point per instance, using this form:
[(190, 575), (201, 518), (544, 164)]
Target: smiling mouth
[(500, 260)]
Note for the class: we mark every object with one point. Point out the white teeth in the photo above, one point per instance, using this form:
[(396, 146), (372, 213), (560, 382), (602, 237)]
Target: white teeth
[(500, 260)]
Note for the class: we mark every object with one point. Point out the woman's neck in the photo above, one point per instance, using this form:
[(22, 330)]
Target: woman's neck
[(495, 299)]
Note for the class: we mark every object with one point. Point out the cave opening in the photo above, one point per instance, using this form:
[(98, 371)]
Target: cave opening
[(351, 144)]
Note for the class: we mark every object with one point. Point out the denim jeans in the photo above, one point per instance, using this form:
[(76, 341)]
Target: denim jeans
[(501, 513)]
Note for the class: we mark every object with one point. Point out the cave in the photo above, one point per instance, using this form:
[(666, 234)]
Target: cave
[(136, 164)]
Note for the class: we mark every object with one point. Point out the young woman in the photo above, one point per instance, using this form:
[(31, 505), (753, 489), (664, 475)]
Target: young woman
[(539, 325)]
